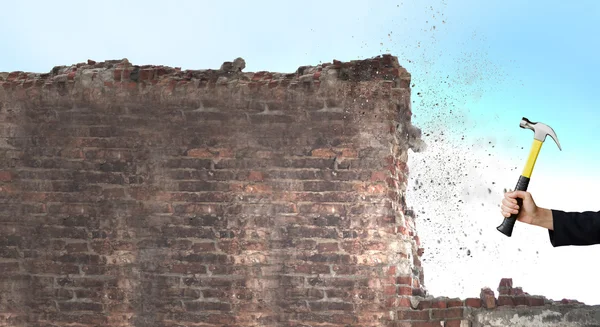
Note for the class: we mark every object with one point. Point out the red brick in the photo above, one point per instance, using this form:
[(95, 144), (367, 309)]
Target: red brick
[(13, 75), (200, 153), (517, 291), (438, 304), (505, 300), (379, 176), (506, 282), (256, 176), (487, 298), (520, 300), (77, 247), (80, 306), (473, 302), (454, 303), (391, 302), (374, 246), (454, 313), (391, 271), (204, 247), (413, 315), (403, 230), (535, 301), (258, 188), (323, 153), (255, 245), (405, 290), (46, 267), (9, 267), (372, 189), (404, 302), (390, 290), (426, 324), (349, 153), (5, 176), (392, 182), (146, 74), (190, 268), (327, 247), (131, 86), (312, 269)]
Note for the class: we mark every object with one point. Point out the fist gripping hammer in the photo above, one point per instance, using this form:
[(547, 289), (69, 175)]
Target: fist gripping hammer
[(540, 131)]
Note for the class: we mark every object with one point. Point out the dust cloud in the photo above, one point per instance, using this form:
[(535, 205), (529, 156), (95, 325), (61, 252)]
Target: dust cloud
[(456, 185)]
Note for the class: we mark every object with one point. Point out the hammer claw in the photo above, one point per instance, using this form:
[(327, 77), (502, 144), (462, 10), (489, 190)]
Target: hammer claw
[(553, 136), (540, 130)]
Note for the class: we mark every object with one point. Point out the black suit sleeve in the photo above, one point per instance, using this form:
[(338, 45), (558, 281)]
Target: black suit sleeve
[(575, 228)]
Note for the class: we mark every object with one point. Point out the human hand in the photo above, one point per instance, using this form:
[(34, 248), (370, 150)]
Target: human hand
[(529, 210)]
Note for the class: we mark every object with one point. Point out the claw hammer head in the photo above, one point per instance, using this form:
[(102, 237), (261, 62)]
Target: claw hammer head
[(540, 130)]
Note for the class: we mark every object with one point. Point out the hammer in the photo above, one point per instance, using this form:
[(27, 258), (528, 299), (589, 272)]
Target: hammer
[(540, 131)]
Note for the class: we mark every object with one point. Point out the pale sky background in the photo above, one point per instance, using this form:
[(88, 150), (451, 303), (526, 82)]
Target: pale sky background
[(479, 66)]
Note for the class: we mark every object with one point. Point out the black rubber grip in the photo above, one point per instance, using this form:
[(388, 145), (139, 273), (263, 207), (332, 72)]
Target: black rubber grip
[(508, 224)]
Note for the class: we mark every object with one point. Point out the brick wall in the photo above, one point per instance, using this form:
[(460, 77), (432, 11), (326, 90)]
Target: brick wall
[(154, 196), (150, 196)]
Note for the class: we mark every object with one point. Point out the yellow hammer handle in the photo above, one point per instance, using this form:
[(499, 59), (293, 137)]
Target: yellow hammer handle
[(533, 155)]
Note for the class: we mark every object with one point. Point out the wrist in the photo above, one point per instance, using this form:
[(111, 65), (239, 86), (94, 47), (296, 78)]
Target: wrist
[(543, 218)]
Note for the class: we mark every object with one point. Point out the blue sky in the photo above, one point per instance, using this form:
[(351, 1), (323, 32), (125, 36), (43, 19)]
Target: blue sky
[(485, 64), (506, 59)]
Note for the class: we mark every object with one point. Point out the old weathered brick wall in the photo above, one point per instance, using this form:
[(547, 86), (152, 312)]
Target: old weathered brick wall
[(151, 196), (145, 195)]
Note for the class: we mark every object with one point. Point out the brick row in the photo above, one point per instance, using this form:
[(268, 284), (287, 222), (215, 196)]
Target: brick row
[(199, 169)]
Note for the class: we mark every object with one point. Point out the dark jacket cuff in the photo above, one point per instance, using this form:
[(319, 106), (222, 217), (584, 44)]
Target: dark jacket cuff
[(557, 233)]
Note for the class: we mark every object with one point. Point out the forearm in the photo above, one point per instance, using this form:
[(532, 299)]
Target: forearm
[(543, 218)]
